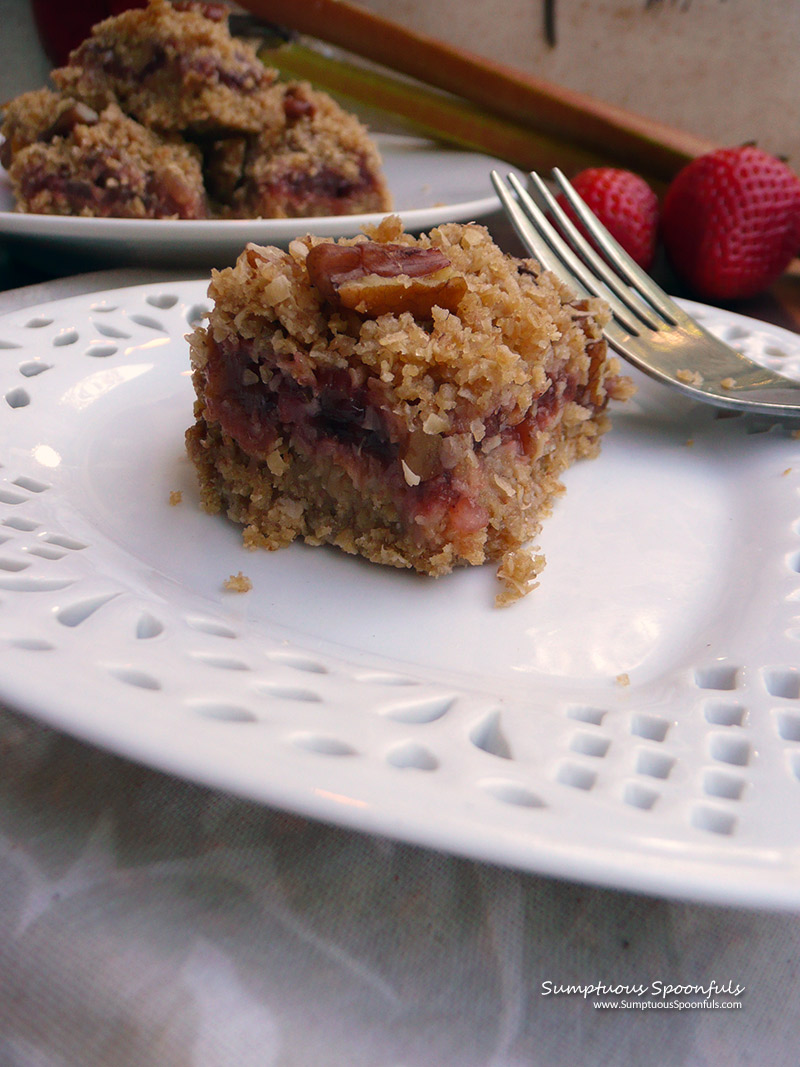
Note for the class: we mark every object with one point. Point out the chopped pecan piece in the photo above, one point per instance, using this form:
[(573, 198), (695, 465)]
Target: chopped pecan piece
[(214, 12), (77, 114), (378, 279), (296, 105)]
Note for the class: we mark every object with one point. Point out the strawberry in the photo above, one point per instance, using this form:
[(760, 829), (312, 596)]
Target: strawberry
[(731, 222), (625, 204), (62, 27)]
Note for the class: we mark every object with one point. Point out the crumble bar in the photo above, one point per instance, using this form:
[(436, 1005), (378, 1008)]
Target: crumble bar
[(411, 400), (310, 158), (64, 158), (173, 67), (161, 113)]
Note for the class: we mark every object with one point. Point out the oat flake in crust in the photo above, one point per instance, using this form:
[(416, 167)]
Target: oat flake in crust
[(339, 402)]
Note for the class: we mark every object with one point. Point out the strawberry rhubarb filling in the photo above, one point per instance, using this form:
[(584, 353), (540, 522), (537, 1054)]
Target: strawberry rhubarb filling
[(333, 417)]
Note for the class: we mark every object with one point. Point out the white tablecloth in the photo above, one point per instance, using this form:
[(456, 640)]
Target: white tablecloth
[(146, 920)]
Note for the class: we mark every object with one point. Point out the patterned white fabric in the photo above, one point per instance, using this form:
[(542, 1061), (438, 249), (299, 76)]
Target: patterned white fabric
[(147, 920)]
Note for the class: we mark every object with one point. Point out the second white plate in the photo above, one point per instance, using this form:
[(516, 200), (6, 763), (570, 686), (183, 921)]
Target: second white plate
[(430, 184)]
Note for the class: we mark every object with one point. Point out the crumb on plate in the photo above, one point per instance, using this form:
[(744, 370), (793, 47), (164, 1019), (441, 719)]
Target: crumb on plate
[(689, 377), (238, 583)]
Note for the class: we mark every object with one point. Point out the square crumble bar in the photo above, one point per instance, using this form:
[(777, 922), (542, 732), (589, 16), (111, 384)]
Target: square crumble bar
[(411, 400)]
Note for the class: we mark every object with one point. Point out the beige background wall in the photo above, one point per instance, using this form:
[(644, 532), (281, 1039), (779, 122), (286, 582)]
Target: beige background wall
[(22, 63), (725, 69)]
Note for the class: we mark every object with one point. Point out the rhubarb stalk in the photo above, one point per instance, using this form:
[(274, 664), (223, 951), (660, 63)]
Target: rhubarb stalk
[(428, 112), (561, 115)]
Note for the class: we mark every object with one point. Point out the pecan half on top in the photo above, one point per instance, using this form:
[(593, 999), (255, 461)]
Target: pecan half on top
[(378, 279)]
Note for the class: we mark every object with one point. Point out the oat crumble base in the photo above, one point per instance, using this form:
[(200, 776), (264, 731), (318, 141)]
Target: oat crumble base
[(427, 438)]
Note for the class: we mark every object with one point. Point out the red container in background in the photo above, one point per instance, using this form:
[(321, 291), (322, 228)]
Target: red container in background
[(62, 26)]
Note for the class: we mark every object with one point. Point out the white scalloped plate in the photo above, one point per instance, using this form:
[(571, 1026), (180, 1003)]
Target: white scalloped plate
[(430, 184), (407, 707)]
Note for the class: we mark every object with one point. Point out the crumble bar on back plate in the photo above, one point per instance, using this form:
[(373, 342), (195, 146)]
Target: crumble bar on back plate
[(173, 67), (310, 158), (64, 158), (161, 113), (412, 400)]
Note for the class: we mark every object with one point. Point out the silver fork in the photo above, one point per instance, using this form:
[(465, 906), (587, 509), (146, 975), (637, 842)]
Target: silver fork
[(647, 327)]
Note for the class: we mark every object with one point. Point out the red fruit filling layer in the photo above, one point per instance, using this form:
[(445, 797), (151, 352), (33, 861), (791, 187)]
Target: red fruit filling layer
[(325, 190), (337, 413), (244, 77), (108, 190)]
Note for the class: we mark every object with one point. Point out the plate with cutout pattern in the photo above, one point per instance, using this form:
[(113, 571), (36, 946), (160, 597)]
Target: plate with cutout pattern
[(429, 182), (634, 722)]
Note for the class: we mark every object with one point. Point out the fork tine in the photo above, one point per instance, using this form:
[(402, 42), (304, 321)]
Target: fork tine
[(679, 351), (568, 265), (597, 264), (630, 271), (533, 241)]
